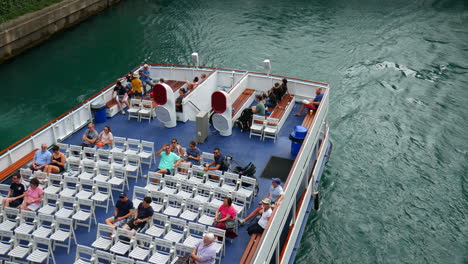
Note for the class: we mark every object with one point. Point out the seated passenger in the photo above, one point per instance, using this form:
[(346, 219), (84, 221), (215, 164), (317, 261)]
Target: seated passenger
[(192, 85), (120, 94), (128, 82), (202, 77), (90, 136), (105, 138), (216, 164), (57, 161), (259, 109), (224, 217), (284, 87), (178, 101), (259, 226), (313, 104), (169, 160), (143, 215), (193, 154), (16, 193), (145, 78), (137, 86), (275, 194), (33, 196), (41, 159), (176, 147), (122, 212), (204, 251), (272, 100)]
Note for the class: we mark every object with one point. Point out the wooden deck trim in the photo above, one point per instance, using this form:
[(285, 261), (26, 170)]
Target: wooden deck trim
[(17, 165), (249, 252), (280, 108), (241, 100), (308, 119)]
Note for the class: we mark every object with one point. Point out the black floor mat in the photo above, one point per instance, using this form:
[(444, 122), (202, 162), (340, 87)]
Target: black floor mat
[(277, 167)]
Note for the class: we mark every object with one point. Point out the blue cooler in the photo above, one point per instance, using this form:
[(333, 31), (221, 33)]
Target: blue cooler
[(297, 137), (99, 109)]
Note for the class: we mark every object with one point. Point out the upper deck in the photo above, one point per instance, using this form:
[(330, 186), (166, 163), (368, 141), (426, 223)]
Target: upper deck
[(69, 128)]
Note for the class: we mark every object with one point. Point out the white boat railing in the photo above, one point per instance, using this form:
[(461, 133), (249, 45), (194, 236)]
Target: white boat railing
[(270, 247)]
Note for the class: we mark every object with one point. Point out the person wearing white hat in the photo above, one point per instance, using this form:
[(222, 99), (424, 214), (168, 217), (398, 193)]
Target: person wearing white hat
[(137, 85), (260, 225), (145, 78)]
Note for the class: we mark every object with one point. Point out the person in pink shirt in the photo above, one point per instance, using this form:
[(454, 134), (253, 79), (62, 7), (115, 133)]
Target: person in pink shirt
[(225, 213), (33, 197)]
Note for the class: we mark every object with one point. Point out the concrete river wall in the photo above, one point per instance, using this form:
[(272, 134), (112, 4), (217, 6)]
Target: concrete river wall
[(31, 29)]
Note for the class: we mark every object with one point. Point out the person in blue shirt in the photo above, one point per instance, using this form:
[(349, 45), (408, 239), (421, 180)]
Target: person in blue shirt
[(143, 215), (145, 78), (193, 154), (313, 104), (122, 212), (41, 158), (217, 163)]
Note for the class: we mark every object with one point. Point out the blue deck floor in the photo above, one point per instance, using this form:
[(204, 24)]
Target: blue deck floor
[(239, 146)]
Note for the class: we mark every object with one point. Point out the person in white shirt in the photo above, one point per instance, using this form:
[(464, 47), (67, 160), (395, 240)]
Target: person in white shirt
[(259, 227), (105, 138)]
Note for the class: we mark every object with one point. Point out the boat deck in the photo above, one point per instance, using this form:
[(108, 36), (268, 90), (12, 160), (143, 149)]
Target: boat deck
[(242, 148)]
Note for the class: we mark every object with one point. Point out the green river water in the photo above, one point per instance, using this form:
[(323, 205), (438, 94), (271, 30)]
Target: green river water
[(395, 189)]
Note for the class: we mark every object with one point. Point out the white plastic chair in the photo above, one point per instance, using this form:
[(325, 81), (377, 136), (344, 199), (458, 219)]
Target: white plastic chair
[(169, 185), (230, 182), (118, 160), (88, 170), (271, 128), (10, 218), (138, 194), (102, 195), (181, 250), (6, 242), (104, 172), (186, 189), (153, 181), (88, 154), (191, 210), (41, 251), (182, 172), (104, 239), (159, 201), (247, 188), (75, 153), (256, 129), (133, 166), (135, 106), (123, 242), (208, 214), (147, 152), (119, 180), (174, 205), (133, 146), (103, 156), (64, 234), (123, 260), (70, 187), (84, 213), (159, 225), (162, 253), (21, 247), (49, 204), (176, 231), (27, 222), (195, 234), (66, 207), (203, 193), (74, 168), (119, 145), (26, 175), (207, 157), (215, 183), (240, 203), (104, 257), (220, 242), (45, 225), (84, 255), (146, 111), (54, 184), (198, 175), (142, 247), (85, 189)]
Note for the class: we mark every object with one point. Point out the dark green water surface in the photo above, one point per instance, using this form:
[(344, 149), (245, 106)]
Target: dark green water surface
[(395, 189)]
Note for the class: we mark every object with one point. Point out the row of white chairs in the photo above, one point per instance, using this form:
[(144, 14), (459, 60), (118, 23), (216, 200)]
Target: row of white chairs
[(264, 128), (21, 247), (141, 109), (160, 252)]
